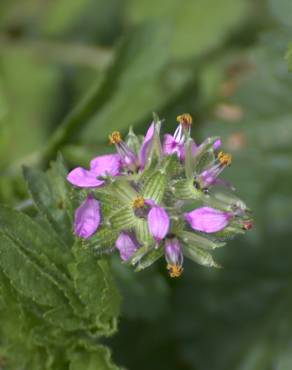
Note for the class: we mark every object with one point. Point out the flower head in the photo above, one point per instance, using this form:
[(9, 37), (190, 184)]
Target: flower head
[(143, 206)]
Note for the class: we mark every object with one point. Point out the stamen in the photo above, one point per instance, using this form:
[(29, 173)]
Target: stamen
[(224, 158), (115, 138), (174, 270), (138, 202), (185, 120)]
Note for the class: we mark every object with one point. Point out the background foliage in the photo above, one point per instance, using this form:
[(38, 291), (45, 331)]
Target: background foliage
[(71, 72)]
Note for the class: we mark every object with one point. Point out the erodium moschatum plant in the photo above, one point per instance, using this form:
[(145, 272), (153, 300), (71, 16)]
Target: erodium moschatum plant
[(154, 198)]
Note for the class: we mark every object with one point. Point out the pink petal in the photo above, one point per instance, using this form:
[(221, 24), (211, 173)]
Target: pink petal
[(158, 223), (83, 178), (169, 144), (108, 164), (208, 220), (126, 246), (87, 218), (146, 145), (217, 144)]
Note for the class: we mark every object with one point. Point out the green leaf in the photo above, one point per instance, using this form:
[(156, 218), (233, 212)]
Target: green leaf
[(51, 195), (95, 287), (288, 57), (134, 66), (32, 236), (282, 11), (31, 86), (197, 26), (102, 240), (97, 360), (26, 276)]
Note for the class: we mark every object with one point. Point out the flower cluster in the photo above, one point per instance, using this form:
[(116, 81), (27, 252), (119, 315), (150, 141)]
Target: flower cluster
[(151, 199)]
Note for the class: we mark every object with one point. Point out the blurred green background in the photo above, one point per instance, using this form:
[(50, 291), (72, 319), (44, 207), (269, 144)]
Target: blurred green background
[(71, 71)]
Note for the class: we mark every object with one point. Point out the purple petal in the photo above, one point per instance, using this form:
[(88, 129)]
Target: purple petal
[(194, 147), (225, 183), (208, 220), (208, 177), (173, 252), (126, 245), (217, 144), (145, 147), (158, 223), (108, 164), (83, 178), (169, 144), (87, 218)]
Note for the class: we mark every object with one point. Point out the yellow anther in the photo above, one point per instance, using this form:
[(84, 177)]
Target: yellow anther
[(174, 270), (115, 137), (185, 120), (138, 202), (224, 158)]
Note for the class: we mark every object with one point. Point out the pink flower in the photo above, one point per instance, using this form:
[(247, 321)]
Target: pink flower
[(100, 166), (87, 218), (208, 220)]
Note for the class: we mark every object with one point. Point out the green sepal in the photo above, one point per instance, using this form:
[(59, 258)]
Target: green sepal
[(200, 256), (103, 239), (199, 241), (205, 160), (171, 166), (154, 187), (142, 232), (109, 204), (185, 190), (189, 159), (138, 255), (123, 219), (133, 141), (229, 232), (148, 259), (200, 158), (226, 200), (121, 190)]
